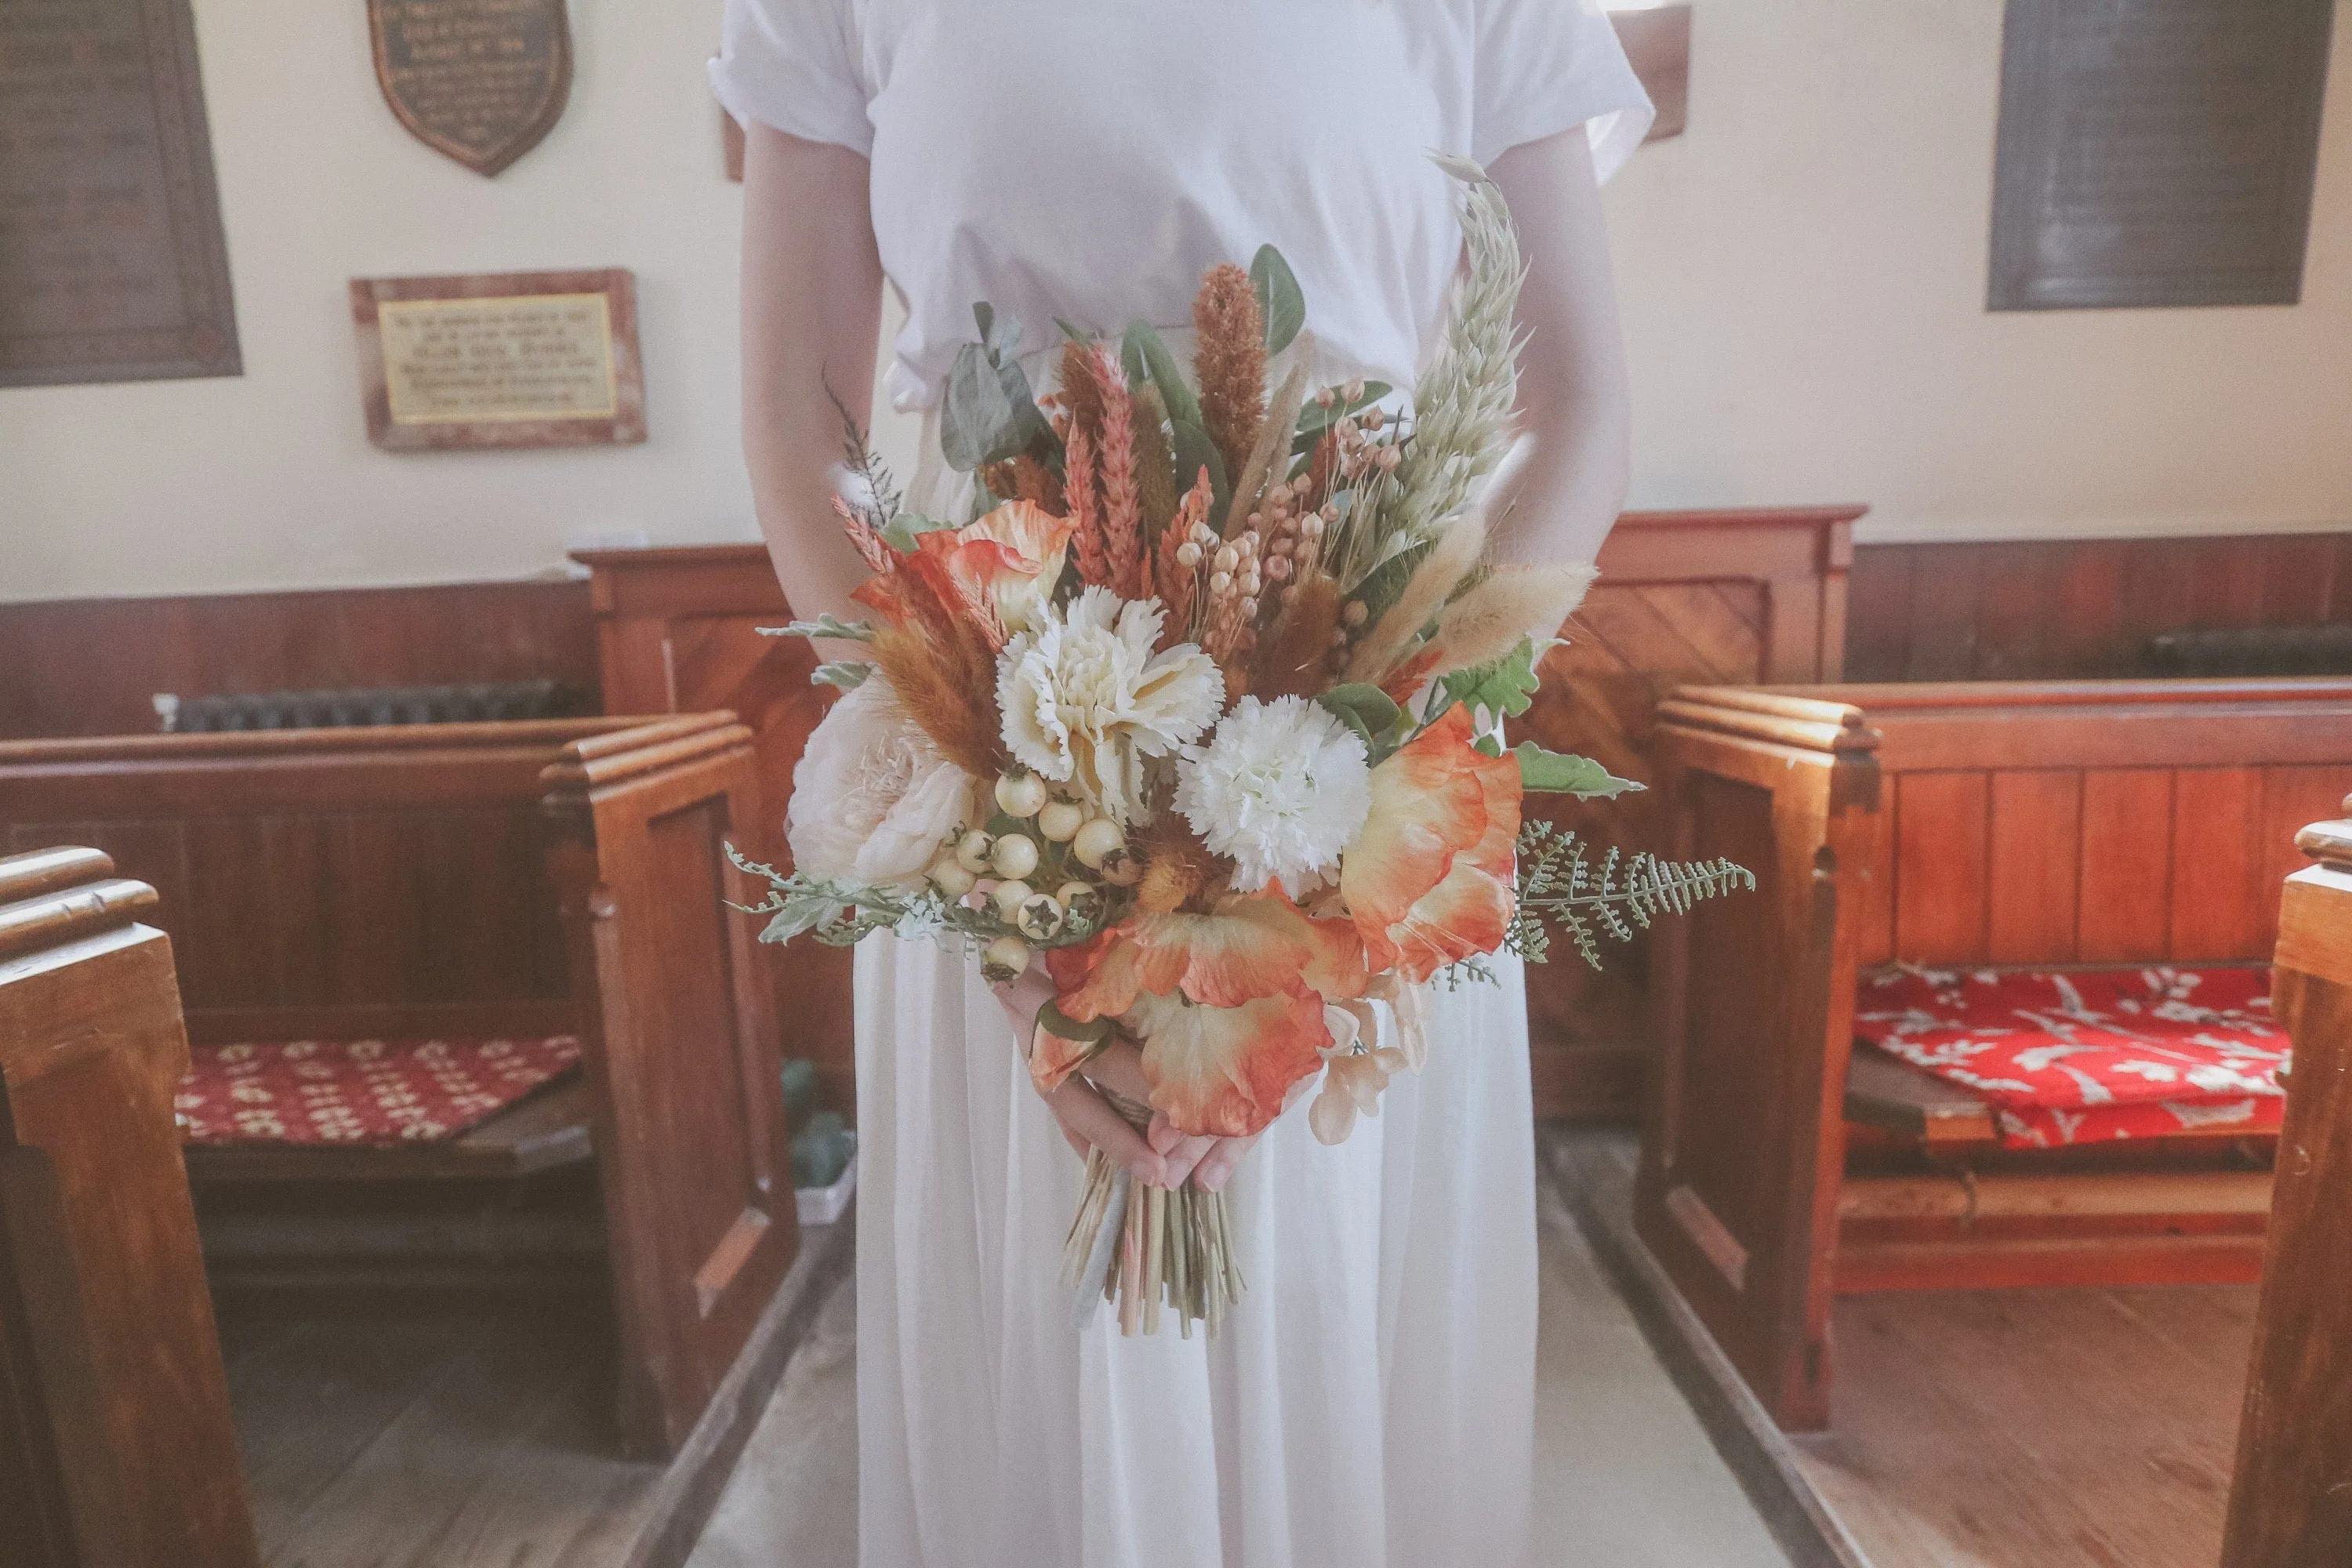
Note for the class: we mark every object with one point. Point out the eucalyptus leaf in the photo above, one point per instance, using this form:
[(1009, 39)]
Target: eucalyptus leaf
[(1279, 299), (1384, 582), (1559, 773), (1362, 705), (1061, 1025), (1195, 451), (902, 530), (1183, 402), (847, 674), (824, 625), (976, 416)]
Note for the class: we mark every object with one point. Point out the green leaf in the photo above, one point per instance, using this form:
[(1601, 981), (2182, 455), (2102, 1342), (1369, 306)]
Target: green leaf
[(1384, 582), (847, 674), (824, 625), (1558, 773), (1488, 746), (1060, 1025), (1195, 451), (902, 532), (1070, 330), (1143, 342), (976, 415), (1503, 688), (1279, 298), (1367, 708)]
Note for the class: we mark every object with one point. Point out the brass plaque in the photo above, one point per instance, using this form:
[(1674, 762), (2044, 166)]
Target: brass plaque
[(479, 80), (2156, 152), (545, 359), (112, 266)]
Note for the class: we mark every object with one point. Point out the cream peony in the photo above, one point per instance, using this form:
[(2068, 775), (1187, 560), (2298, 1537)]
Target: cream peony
[(872, 798), (1085, 700), (1281, 788)]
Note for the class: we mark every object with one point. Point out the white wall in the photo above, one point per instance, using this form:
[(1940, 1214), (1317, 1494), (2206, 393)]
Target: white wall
[(1803, 273)]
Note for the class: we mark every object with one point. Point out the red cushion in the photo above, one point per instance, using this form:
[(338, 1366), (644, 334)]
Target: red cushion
[(361, 1092), (2085, 1057)]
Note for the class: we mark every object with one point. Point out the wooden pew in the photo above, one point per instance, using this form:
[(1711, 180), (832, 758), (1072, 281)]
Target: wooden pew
[(2291, 1500), (481, 881), (2026, 825), (116, 1441)]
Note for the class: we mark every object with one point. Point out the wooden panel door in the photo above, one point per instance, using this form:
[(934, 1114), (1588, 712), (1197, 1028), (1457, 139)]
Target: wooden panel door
[(680, 633), (681, 1049)]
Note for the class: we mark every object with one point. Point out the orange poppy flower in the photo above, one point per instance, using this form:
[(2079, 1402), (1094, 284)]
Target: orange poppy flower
[(1429, 878)]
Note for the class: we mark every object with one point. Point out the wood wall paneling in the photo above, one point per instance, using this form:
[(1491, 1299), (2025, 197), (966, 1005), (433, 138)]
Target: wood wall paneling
[(2076, 608), (92, 667), (2032, 869)]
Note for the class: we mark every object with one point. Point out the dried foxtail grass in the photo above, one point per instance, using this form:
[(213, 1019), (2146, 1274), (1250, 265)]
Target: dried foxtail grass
[(1295, 655), (1449, 560), (1229, 362), (945, 675), (1155, 463), (1514, 602)]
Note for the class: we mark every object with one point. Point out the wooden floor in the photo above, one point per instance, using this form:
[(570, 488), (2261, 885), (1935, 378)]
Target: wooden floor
[(470, 1435), (1972, 1429), (2020, 1428)]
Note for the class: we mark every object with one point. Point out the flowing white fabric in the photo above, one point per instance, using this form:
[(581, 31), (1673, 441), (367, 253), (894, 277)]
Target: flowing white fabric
[(1369, 1405)]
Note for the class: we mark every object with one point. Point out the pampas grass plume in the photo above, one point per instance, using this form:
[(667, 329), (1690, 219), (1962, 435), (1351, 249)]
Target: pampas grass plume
[(1452, 558), (1514, 602)]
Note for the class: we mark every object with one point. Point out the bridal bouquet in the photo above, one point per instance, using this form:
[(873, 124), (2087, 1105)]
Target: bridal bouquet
[(1199, 712)]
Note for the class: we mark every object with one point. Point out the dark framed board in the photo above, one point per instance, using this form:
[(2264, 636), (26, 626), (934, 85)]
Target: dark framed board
[(2156, 152), (500, 358), (113, 262)]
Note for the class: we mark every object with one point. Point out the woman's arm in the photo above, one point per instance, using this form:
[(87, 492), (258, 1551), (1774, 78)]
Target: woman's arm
[(811, 315), (1558, 494)]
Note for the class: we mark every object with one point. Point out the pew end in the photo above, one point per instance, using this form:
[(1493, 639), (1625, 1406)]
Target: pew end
[(119, 1447)]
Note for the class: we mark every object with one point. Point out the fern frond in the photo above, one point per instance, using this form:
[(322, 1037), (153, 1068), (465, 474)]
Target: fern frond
[(1557, 883)]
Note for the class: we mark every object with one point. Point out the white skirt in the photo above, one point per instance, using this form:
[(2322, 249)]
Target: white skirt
[(1369, 1403)]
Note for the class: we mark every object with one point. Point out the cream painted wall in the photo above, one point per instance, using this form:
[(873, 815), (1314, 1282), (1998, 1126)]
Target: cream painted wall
[(1803, 277)]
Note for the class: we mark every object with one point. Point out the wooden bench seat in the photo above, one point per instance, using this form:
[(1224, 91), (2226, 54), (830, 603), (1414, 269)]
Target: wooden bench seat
[(1997, 825), (477, 881)]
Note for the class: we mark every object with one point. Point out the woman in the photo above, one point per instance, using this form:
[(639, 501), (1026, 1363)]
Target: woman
[(1371, 1400)]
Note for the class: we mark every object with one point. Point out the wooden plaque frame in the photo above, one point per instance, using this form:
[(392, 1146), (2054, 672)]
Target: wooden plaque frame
[(622, 423), (201, 340)]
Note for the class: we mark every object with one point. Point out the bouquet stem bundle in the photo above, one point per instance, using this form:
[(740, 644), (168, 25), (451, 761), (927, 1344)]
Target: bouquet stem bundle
[(1174, 1248)]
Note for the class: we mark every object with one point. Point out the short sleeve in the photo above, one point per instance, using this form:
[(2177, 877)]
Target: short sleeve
[(794, 65), (1544, 66)]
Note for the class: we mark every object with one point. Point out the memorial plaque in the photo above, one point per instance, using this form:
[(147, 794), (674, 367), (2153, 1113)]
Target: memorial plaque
[(112, 266), (2157, 152), (480, 80), (515, 359)]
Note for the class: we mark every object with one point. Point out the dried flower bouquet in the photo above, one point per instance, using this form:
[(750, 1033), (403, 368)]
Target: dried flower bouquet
[(1201, 711)]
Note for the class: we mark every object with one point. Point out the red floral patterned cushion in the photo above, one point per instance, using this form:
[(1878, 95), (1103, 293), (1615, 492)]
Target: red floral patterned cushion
[(361, 1092), (2086, 1057)]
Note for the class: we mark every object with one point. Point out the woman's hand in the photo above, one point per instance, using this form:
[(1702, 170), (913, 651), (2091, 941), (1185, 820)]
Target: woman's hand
[(1086, 1119)]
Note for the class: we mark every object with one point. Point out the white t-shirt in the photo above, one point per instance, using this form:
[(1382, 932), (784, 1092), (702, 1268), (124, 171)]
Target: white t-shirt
[(1090, 158)]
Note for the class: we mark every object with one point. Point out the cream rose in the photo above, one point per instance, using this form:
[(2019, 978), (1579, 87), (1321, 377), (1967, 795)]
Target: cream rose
[(872, 799)]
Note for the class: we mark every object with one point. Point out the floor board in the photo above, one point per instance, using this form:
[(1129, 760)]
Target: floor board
[(2015, 1428), (478, 1435)]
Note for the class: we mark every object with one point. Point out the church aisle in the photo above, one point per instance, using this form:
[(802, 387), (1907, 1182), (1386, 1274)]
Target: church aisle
[(1624, 1474)]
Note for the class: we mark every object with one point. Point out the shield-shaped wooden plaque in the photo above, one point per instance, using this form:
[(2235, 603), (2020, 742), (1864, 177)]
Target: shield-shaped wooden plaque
[(480, 80)]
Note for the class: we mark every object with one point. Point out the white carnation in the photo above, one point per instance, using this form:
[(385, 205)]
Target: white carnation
[(872, 798), (1085, 700), (1281, 788)]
